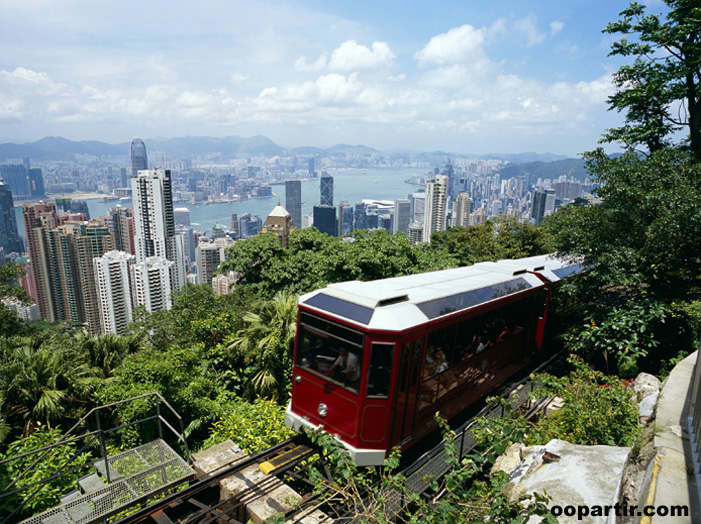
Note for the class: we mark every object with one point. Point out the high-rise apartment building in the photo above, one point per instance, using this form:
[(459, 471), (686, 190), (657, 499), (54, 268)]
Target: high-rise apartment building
[(209, 254), (401, 216), (152, 284), (35, 217), (462, 207), (436, 202), (326, 189), (94, 241), (139, 159), (10, 240), (113, 277), (154, 222), (293, 201), (416, 232), (120, 221)]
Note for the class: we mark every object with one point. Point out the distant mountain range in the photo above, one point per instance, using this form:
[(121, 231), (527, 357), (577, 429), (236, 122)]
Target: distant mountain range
[(62, 149), (572, 167)]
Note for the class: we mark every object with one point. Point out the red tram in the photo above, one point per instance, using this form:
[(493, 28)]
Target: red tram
[(375, 360)]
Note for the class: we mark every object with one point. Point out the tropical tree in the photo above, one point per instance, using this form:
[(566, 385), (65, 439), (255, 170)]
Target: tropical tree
[(39, 382), (106, 352), (659, 91), (265, 343)]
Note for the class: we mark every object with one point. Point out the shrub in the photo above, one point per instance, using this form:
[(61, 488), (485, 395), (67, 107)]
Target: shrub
[(254, 426)]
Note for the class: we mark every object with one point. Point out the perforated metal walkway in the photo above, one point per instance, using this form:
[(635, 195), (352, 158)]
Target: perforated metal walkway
[(135, 475)]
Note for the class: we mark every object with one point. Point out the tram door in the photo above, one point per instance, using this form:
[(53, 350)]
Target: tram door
[(407, 392)]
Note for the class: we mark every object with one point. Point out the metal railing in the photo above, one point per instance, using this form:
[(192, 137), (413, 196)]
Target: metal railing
[(88, 439), (694, 421)]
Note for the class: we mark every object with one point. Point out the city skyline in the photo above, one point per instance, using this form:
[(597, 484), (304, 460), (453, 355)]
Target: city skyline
[(460, 76)]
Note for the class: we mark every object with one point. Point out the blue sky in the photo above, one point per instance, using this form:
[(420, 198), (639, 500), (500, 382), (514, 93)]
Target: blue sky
[(462, 76)]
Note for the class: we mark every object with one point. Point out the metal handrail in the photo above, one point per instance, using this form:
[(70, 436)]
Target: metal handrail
[(694, 421), (99, 433)]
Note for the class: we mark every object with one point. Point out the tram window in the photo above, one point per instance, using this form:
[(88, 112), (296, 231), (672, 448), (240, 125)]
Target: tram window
[(467, 339), (439, 351), (335, 358), (380, 374), (516, 316), (490, 329)]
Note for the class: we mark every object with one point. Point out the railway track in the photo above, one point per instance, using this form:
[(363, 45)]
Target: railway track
[(199, 503)]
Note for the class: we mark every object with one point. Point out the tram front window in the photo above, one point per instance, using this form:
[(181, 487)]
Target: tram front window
[(332, 351)]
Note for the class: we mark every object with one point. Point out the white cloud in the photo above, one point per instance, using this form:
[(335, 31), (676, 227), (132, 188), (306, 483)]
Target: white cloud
[(556, 27), (527, 28), (352, 56), (302, 64), (459, 44)]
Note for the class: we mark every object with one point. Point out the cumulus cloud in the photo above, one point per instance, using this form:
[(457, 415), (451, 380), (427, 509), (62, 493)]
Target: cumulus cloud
[(352, 56), (459, 44), (527, 28), (303, 64)]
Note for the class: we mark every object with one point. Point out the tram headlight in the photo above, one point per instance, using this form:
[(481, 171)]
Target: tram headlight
[(323, 410), (298, 379)]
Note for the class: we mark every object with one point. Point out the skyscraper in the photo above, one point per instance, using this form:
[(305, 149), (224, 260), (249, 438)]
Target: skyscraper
[(154, 222), (462, 207), (419, 206), (35, 217), (36, 183), (16, 177), (152, 284), (139, 160), (325, 219), (94, 241), (209, 254), (293, 201), (279, 221), (360, 213), (9, 237), (113, 276), (436, 201), (345, 219), (402, 216), (326, 189), (543, 204), (121, 224)]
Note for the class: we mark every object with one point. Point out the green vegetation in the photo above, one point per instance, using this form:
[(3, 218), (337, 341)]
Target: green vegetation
[(224, 362), (598, 410), (462, 495), (640, 240), (55, 459), (254, 426)]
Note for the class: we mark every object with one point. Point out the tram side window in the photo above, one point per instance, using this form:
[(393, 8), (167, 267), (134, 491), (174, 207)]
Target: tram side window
[(491, 328), (467, 339), (439, 351), (335, 358), (516, 316), (380, 374)]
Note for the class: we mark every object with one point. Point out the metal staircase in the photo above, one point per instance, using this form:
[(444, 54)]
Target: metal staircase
[(116, 482)]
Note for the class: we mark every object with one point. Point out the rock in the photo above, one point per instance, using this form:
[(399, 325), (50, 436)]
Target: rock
[(513, 492), (645, 385), (646, 407), (509, 460), (584, 475)]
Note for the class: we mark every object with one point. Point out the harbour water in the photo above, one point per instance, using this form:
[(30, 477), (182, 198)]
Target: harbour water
[(350, 185)]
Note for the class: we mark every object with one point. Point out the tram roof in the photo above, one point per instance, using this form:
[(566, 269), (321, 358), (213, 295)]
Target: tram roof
[(400, 303)]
